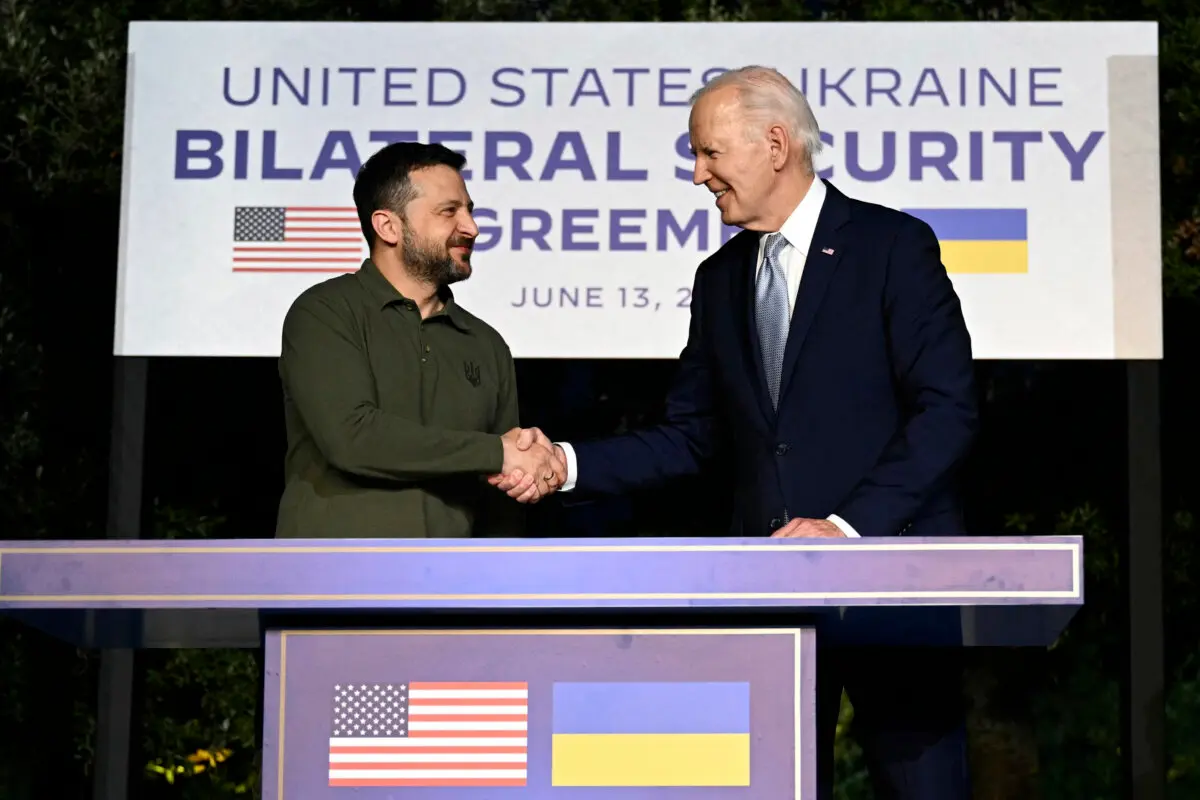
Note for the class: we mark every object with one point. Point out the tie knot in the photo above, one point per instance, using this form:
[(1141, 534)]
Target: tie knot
[(775, 245)]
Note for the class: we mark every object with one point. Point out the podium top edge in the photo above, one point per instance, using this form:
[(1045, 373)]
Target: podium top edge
[(647, 544)]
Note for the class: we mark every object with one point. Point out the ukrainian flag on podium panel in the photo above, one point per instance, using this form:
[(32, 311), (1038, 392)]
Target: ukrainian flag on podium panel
[(651, 734), (980, 241)]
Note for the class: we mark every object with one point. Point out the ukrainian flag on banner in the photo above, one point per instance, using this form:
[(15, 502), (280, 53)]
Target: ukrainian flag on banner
[(980, 240), (651, 734)]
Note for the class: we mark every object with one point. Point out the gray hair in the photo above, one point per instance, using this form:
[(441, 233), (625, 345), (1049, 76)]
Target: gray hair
[(769, 97)]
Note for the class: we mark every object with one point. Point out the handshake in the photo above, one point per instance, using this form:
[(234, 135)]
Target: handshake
[(534, 466)]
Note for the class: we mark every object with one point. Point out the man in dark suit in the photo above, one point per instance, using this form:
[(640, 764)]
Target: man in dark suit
[(827, 356)]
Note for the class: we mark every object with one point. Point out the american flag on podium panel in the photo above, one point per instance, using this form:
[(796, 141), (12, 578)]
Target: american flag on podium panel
[(429, 734), (297, 239)]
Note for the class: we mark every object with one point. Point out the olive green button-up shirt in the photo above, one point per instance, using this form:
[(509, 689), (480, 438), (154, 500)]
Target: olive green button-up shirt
[(393, 422)]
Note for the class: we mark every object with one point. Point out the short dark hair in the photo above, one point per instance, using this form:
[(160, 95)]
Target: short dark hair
[(383, 181)]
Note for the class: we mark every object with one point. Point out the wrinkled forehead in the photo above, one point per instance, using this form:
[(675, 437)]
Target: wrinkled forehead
[(715, 113), (715, 120)]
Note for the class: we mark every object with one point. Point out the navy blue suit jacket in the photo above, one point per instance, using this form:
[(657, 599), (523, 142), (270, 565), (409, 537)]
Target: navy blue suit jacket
[(877, 404)]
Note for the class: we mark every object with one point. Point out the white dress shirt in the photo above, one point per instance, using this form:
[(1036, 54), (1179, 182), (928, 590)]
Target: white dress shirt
[(798, 229)]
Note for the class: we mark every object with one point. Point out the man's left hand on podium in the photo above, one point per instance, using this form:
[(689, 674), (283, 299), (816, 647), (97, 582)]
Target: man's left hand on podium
[(800, 528)]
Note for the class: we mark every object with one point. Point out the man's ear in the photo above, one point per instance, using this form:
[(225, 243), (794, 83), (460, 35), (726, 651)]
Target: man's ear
[(780, 145), (388, 227)]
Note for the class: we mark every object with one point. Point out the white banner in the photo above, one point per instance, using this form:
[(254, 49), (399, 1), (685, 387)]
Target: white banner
[(1031, 148)]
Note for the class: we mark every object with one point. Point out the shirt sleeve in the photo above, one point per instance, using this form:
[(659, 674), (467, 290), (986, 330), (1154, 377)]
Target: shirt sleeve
[(327, 377), (572, 466), (844, 526)]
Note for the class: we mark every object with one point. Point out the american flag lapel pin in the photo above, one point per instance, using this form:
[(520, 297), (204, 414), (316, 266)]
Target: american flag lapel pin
[(827, 251)]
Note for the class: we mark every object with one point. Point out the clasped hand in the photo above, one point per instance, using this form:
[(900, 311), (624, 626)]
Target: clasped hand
[(533, 466)]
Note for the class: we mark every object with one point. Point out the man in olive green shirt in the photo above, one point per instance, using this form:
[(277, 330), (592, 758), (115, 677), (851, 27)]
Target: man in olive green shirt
[(398, 402)]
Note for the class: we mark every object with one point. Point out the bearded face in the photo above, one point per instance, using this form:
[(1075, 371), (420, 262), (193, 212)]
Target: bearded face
[(435, 257), (434, 230)]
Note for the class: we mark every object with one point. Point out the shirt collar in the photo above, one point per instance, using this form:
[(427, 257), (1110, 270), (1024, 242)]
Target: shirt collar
[(801, 224), (384, 294)]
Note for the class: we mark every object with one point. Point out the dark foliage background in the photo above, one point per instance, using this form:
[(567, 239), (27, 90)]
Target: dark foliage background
[(1044, 724)]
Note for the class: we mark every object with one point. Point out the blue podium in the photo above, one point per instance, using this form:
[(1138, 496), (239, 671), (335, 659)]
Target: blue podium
[(472, 669)]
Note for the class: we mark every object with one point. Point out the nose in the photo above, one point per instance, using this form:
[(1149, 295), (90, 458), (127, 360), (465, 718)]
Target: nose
[(700, 173), (466, 224)]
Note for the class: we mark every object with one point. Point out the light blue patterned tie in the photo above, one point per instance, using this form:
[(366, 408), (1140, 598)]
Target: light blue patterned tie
[(771, 313)]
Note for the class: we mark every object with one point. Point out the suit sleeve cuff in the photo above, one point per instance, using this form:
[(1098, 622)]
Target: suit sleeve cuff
[(572, 467), (846, 527)]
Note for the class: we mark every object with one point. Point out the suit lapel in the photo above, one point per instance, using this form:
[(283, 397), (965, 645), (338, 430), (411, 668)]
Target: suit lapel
[(741, 293), (824, 255)]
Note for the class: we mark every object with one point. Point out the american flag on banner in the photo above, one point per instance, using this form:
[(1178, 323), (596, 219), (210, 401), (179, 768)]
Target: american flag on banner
[(429, 734), (297, 239)]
